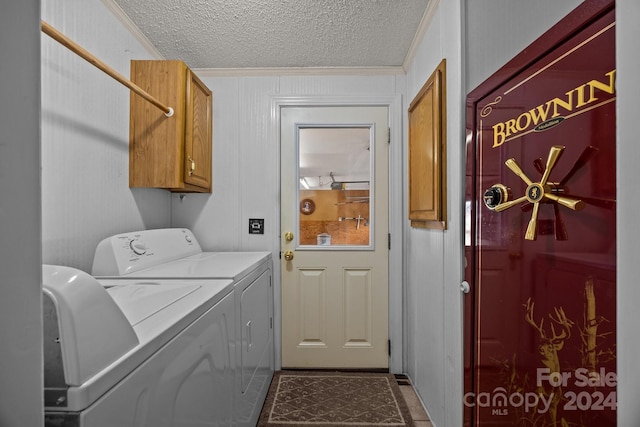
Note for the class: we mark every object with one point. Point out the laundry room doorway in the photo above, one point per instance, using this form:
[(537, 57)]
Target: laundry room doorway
[(334, 236)]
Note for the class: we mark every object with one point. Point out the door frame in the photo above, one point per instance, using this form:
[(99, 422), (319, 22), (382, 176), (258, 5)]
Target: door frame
[(396, 263)]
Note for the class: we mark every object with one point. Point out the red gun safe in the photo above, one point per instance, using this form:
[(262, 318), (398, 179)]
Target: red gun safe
[(540, 332)]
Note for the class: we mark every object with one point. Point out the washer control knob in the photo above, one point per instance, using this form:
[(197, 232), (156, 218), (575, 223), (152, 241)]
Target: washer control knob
[(138, 246), (188, 238)]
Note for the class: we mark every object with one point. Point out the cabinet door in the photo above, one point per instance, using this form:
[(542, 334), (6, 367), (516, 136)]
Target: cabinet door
[(156, 142), (198, 131)]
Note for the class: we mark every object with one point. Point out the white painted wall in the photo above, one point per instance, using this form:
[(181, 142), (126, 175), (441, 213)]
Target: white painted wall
[(85, 137), (245, 169), (20, 312), (497, 30), (433, 257)]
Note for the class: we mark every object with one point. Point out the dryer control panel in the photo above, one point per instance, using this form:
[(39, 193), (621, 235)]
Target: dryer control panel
[(128, 252)]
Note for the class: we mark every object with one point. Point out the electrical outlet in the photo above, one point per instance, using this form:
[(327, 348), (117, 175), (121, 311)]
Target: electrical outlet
[(256, 226)]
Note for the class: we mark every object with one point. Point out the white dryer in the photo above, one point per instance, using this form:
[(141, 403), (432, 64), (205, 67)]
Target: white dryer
[(136, 352), (176, 254)]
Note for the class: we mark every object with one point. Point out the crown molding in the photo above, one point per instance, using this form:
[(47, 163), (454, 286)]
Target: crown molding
[(132, 28), (429, 13), (298, 71)]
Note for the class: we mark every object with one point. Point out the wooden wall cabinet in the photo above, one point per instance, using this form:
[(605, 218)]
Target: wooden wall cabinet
[(170, 152), (427, 154)]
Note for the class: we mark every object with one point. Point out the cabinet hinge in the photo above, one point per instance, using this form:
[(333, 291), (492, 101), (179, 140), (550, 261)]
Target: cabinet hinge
[(388, 135), (389, 241), (389, 346), (271, 323)]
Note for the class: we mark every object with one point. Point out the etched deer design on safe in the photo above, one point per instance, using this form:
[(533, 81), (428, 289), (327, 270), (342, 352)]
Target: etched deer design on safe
[(548, 348)]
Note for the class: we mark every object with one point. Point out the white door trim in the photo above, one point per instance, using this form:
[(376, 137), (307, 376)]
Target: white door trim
[(396, 203)]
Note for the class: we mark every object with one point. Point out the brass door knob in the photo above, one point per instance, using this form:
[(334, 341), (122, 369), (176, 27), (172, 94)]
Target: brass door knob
[(288, 255), (288, 236)]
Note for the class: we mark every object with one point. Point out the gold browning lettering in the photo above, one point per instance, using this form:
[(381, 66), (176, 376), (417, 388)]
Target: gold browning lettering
[(576, 99)]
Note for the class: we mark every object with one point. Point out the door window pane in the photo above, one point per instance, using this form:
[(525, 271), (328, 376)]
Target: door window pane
[(334, 171)]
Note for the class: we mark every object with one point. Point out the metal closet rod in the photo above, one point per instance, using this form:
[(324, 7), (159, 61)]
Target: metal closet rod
[(86, 55)]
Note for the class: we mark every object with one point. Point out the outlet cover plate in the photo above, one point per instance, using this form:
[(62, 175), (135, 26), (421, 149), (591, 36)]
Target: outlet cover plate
[(256, 225)]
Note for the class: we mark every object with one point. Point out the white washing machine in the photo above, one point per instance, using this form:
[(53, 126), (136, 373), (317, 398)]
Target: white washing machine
[(136, 352), (176, 254)]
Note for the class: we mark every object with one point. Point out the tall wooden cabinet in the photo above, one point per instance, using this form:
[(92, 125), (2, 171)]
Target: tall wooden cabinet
[(170, 152)]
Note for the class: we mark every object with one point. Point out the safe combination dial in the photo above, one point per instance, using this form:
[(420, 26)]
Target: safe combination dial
[(495, 195)]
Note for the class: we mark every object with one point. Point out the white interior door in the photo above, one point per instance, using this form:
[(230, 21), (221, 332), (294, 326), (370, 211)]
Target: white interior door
[(334, 237)]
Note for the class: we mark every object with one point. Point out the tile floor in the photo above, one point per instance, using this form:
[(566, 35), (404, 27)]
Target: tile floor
[(419, 415)]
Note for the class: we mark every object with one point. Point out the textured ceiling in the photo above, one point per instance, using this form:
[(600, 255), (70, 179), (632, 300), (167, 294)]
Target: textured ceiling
[(279, 33)]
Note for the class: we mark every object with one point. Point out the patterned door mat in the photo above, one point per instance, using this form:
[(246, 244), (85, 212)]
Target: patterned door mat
[(316, 398)]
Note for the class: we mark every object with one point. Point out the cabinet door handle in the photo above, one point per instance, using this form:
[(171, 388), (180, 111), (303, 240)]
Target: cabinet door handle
[(192, 165)]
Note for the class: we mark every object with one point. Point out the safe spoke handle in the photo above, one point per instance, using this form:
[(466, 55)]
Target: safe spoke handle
[(567, 202), (515, 168), (535, 193), (504, 206)]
